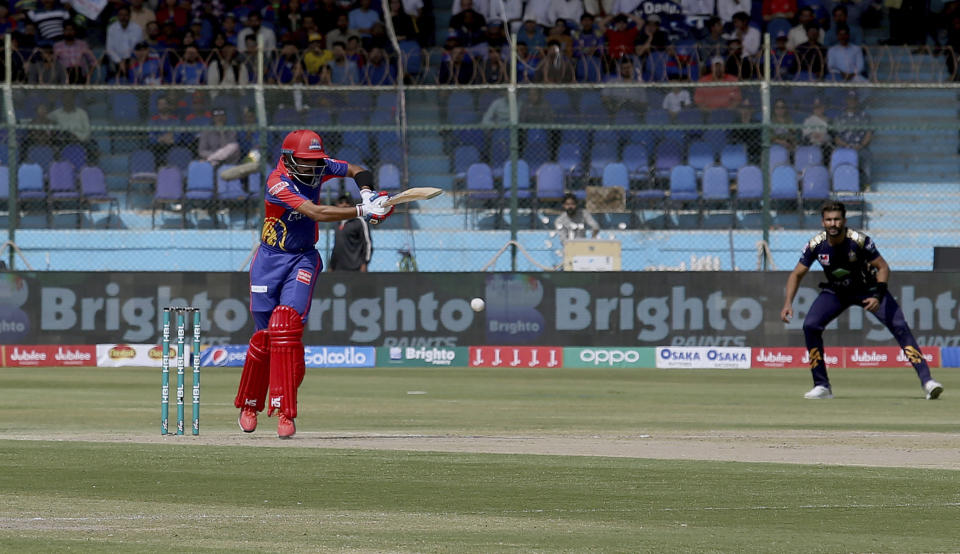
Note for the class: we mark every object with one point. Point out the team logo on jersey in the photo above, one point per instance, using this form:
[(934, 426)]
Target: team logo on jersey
[(274, 232), (852, 256), (304, 276), (315, 144), (824, 259)]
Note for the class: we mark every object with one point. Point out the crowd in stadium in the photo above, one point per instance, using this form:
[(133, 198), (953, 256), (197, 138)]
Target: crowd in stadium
[(347, 42)]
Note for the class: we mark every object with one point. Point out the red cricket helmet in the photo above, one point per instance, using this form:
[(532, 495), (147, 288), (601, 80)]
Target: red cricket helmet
[(300, 146)]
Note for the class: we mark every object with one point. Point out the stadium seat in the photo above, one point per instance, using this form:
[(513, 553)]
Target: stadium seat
[(635, 158), (778, 156), (74, 153), (700, 155), (168, 195), (842, 156), (231, 193), (785, 196), (126, 108), (523, 179), (179, 157), (388, 178), (30, 186), (733, 157), (463, 157), (40, 154), (815, 183), (93, 189), (601, 154), (550, 182), (480, 191), (715, 198), (570, 158), (806, 156), (200, 187), (669, 155), (846, 179)]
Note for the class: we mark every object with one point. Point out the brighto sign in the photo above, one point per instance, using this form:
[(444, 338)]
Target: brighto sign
[(430, 355), (608, 356)]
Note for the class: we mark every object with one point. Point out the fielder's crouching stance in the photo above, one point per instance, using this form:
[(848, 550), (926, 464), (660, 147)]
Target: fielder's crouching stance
[(284, 271)]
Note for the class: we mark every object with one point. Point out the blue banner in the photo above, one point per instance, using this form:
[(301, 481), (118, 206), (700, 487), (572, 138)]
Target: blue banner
[(950, 356), (230, 355), (340, 356)]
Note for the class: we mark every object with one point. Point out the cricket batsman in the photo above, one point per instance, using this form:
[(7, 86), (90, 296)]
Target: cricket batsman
[(284, 271)]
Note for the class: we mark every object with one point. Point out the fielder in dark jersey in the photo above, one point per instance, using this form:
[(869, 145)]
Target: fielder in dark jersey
[(284, 271), (856, 275)]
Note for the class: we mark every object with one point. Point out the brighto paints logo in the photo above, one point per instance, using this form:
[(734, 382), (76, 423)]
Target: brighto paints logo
[(608, 357), (430, 355)]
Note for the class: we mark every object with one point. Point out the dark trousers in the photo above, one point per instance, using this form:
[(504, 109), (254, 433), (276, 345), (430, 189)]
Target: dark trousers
[(829, 305)]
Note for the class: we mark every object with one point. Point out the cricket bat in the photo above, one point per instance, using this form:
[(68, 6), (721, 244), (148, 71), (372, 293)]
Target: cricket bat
[(413, 194), (251, 165)]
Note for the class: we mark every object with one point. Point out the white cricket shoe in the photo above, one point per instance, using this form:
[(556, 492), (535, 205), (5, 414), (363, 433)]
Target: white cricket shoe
[(819, 392), (933, 389)]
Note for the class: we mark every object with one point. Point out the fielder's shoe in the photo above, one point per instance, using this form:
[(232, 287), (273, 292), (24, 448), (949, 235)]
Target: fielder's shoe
[(247, 420), (933, 389), (286, 427), (819, 392)]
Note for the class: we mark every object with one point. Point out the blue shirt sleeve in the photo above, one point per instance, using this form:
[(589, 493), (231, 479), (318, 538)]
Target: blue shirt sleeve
[(808, 255), (870, 249)]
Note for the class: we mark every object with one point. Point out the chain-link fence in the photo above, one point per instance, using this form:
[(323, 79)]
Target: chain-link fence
[(677, 156)]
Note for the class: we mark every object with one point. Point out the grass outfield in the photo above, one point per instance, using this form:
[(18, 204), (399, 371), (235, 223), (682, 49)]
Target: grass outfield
[(82, 465)]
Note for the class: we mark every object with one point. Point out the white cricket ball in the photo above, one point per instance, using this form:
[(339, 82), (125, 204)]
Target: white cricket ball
[(477, 304)]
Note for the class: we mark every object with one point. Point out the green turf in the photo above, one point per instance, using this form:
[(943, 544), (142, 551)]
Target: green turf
[(58, 496)]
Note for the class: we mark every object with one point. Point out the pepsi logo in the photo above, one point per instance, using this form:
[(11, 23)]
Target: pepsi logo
[(219, 356)]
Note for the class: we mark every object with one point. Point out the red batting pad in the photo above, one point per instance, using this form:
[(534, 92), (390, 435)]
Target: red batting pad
[(286, 360), (255, 378)]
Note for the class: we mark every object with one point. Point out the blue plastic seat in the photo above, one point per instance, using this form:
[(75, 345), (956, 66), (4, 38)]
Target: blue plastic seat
[(616, 175), (778, 156), (636, 159), (601, 154), (570, 158), (523, 179), (846, 179), (700, 155), (683, 184), (815, 183), (807, 156), (463, 157), (733, 157), (669, 154), (388, 177), (550, 182), (842, 156)]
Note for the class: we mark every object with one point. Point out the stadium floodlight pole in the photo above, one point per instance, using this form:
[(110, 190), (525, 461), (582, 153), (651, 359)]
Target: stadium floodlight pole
[(514, 145), (765, 145), (261, 106), (11, 126), (401, 117)]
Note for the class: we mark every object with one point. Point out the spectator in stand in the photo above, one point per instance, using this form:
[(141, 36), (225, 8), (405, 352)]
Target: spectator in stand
[(908, 21), (840, 17), (202, 35), (620, 32), (355, 53), (496, 38), (574, 222), (141, 14), (363, 17), (170, 37), (378, 70), (714, 43), (170, 10), (811, 56), (219, 145), (290, 17), (327, 16), (250, 57), (255, 28), (737, 64), (7, 22), (226, 69), (74, 55), (773, 9), (783, 61), (342, 31), (781, 130), (45, 69), (469, 25), (122, 36), (307, 28), (816, 128), (199, 112), (49, 19), (652, 39), (716, 98), (697, 12), (527, 63), (556, 68), (229, 29), (403, 23), (343, 70), (845, 60), (570, 11), (726, 9), (456, 67), (315, 57), (511, 14), (28, 38), (532, 35), (378, 38), (74, 120), (143, 67), (852, 131), (617, 99), (587, 41), (483, 7), (249, 138), (191, 70), (494, 69), (41, 116), (798, 33), (676, 101), (539, 11), (747, 34), (560, 34)]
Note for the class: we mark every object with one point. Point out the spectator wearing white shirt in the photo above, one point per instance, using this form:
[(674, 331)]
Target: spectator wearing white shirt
[(698, 7), (798, 34), (539, 11), (625, 6), (726, 9), (122, 36), (676, 100), (413, 7), (256, 30), (568, 10), (748, 35), (512, 13), (845, 60), (363, 17), (598, 7)]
